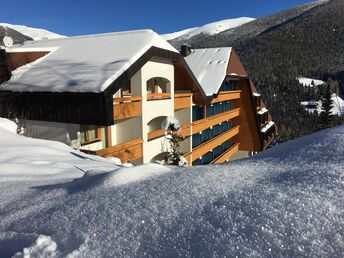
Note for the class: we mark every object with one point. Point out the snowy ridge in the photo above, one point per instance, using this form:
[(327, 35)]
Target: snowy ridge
[(210, 28), (34, 33), (286, 201)]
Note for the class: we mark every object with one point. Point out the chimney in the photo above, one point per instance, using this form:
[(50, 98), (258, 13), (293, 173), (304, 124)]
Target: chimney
[(185, 50)]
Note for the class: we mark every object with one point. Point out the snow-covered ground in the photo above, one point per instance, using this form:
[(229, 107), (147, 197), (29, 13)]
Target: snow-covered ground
[(286, 201), (338, 105), (310, 82), (34, 33), (210, 28)]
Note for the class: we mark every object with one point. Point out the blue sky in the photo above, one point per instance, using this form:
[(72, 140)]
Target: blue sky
[(77, 17)]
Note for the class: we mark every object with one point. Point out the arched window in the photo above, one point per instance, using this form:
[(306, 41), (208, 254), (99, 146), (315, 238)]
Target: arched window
[(158, 85)]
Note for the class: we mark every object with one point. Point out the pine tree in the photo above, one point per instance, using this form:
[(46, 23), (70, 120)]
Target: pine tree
[(175, 156), (326, 117)]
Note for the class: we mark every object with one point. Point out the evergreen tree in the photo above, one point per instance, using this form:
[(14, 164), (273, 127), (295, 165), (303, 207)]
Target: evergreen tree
[(326, 117), (175, 156)]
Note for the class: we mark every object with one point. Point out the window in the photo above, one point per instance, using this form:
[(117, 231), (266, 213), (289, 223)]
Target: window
[(217, 130), (210, 110), (226, 126), (197, 162), (207, 158), (197, 113), (226, 106), (196, 139), (229, 85), (226, 145), (218, 107), (217, 151), (89, 134), (207, 135)]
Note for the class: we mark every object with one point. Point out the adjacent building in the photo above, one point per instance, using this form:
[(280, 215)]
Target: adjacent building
[(107, 95)]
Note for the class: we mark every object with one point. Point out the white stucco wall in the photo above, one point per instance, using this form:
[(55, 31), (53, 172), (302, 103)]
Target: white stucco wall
[(126, 130)]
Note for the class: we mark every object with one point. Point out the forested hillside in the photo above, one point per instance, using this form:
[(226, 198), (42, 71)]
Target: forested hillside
[(303, 41)]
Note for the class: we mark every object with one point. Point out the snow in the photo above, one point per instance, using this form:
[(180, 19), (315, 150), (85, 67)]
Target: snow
[(168, 121), (34, 33), (210, 28), (44, 247), (82, 64), (262, 111), (209, 66), (8, 125), (267, 127), (286, 201), (170, 36), (309, 82), (338, 105)]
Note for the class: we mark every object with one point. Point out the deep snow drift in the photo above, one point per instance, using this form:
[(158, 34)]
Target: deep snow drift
[(287, 201)]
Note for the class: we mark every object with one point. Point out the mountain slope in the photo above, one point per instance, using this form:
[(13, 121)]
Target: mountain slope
[(18, 38), (208, 29), (306, 41), (34, 33)]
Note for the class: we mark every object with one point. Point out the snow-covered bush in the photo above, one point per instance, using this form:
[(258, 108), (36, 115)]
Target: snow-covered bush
[(171, 126)]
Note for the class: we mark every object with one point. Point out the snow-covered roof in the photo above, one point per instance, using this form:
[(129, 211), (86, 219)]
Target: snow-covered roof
[(267, 126), (262, 111), (209, 66), (82, 64)]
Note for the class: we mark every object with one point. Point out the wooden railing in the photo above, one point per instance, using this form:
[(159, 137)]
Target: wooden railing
[(185, 131), (227, 95), (203, 124), (269, 136), (227, 154), (126, 151), (182, 100), (126, 107), (211, 144), (158, 96)]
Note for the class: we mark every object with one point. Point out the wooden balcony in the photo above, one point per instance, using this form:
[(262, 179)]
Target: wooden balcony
[(158, 96), (227, 154), (211, 144), (126, 107), (126, 151), (227, 95), (185, 131), (182, 100), (203, 124)]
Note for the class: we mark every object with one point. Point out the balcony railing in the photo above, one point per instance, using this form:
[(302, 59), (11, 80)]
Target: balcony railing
[(185, 131), (227, 95), (131, 150), (182, 100), (211, 144), (158, 96), (126, 107), (201, 125)]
